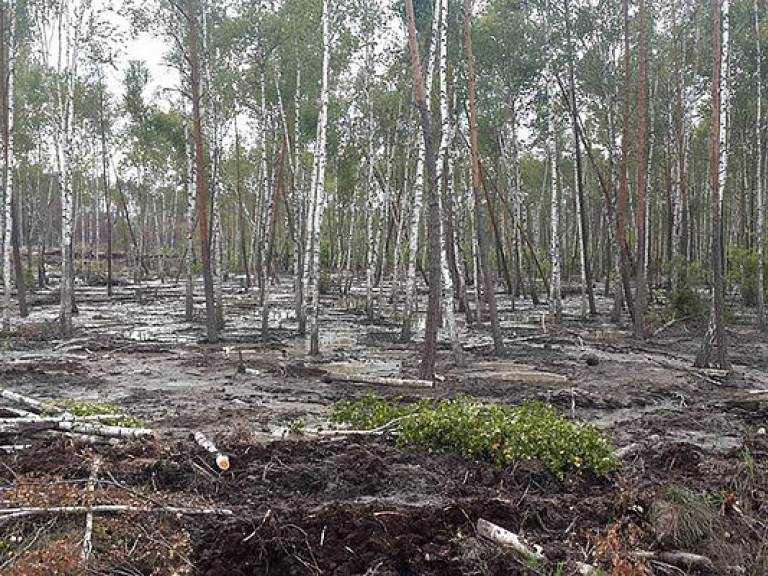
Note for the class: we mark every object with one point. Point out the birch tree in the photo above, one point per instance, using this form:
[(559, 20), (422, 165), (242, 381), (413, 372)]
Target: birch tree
[(759, 179), (714, 346)]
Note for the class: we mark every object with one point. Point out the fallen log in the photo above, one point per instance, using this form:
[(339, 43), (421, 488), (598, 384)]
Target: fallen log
[(376, 380), (495, 533), (5, 422), (684, 560), (31, 402), (9, 513), (222, 460), (104, 430)]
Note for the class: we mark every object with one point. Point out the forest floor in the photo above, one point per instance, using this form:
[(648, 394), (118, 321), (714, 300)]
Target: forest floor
[(695, 482)]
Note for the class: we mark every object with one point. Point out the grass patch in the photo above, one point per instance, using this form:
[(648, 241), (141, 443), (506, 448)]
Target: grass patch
[(78, 408), (501, 435)]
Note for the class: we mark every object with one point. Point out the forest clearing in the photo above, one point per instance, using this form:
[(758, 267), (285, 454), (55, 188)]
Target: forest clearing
[(383, 287)]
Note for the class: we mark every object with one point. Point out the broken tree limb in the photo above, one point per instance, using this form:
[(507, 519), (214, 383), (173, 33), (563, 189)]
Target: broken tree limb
[(495, 533), (8, 513), (87, 544), (684, 560), (372, 432), (104, 430), (222, 460), (376, 380), (635, 447)]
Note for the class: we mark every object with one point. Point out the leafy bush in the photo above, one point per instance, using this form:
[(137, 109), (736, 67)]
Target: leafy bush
[(498, 434)]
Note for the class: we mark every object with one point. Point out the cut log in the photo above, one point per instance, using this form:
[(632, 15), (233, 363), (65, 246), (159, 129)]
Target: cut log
[(103, 430), (376, 380), (500, 535), (222, 460), (684, 560)]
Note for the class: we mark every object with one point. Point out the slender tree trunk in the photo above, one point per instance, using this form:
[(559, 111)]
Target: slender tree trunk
[(490, 294), (641, 288), (105, 183), (241, 211), (445, 193), (67, 195), (429, 354), (418, 194), (212, 324), (318, 187), (714, 347), (759, 180), (586, 269)]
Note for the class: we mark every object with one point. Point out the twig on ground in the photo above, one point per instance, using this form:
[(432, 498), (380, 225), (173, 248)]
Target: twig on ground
[(87, 544), (502, 536)]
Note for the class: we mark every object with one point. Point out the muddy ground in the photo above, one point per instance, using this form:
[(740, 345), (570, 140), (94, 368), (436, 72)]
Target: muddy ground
[(303, 504)]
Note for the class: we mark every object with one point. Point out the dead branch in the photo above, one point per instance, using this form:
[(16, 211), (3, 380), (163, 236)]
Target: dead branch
[(87, 544), (372, 432), (8, 513), (376, 380), (685, 560), (500, 535)]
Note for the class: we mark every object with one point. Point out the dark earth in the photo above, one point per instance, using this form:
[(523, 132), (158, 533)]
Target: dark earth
[(694, 478)]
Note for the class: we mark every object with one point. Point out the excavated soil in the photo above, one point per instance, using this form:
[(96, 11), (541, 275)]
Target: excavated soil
[(303, 504)]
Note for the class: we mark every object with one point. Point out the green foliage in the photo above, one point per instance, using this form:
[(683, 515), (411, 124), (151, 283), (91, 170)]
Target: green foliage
[(296, 427), (498, 434), (743, 271), (688, 303), (78, 408)]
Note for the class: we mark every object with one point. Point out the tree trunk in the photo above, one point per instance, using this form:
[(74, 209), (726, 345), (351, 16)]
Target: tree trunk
[(713, 350), (212, 325), (418, 191), (641, 290), (318, 189), (490, 295), (429, 354), (759, 181)]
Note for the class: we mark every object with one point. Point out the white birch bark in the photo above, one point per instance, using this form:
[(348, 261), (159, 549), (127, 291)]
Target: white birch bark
[(65, 175), (554, 249), (373, 200), (318, 186), (759, 178), (580, 231), (190, 185), (418, 193), (445, 190), (725, 102), (9, 169)]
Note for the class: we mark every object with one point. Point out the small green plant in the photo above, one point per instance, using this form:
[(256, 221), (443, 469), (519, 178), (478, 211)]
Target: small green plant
[(296, 426), (497, 434), (78, 408)]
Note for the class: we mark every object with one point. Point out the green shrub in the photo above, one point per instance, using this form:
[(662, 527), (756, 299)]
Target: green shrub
[(78, 408), (688, 303), (497, 434), (744, 268)]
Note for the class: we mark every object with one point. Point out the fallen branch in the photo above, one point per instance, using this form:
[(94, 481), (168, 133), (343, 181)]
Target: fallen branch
[(87, 544), (103, 430), (684, 560), (31, 402), (635, 447), (376, 380), (372, 432), (222, 460), (497, 534), (8, 513), (5, 422)]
